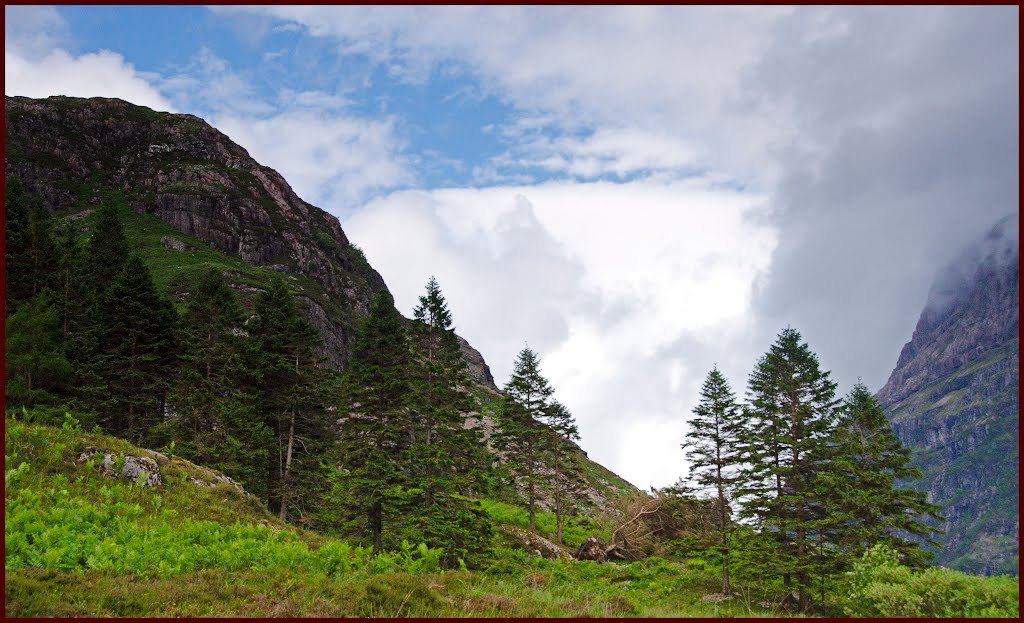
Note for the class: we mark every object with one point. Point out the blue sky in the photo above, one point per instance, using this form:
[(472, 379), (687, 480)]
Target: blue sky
[(638, 192), (442, 115)]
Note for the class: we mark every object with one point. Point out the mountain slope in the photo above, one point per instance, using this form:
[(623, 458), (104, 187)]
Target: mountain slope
[(953, 398), (195, 199)]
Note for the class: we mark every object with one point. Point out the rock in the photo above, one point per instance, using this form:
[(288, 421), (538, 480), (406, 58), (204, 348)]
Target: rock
[(591, 549), (953, 399), (213, 478), (537, 545), (175, 245), (716, 597), (134, 467)]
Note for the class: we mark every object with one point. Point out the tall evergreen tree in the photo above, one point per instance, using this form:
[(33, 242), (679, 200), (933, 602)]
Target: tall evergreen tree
[(372, 455), (283, 362), (108, 246), (35, 363), (868, 463), (215, 421), (447, 456), (792, 410), (522, 437), (31, 252), (137, 350), (562, 458), (711, 447), (15, 241)]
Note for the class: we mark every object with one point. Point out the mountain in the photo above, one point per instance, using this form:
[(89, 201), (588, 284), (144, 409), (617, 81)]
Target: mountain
[(953, 398), (196, 199)]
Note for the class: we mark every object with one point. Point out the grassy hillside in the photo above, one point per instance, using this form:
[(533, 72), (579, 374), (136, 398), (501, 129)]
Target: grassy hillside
[(79, 543)]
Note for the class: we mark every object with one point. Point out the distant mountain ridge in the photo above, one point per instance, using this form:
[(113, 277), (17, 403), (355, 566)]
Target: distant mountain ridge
[(953, 398)]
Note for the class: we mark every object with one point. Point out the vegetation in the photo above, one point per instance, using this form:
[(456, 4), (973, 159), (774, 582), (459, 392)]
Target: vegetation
[(365, 493)]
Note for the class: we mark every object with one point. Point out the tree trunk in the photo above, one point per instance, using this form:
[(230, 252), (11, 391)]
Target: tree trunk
[(376, 521), (287, 469)]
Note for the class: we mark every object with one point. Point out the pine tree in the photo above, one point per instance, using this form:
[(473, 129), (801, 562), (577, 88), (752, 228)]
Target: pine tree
[(15, 242), (868, 463), (137, 351), (31, 253), (283, 362), (372, 455), (711, 447), (447, 456), (527, 395), (215, 422), (561, 456), (783, 444), (108, 246), (35, 364)]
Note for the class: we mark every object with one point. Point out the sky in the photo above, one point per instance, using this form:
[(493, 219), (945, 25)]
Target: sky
[(638, 194)]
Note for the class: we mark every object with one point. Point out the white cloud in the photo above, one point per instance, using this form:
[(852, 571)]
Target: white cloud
[(331, 160), (35, 67), (612, 284), (666, 72)]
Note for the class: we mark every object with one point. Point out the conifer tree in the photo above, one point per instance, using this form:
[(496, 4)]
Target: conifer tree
[(562, 459), (783, 444), (137, 350), (447, 456), (15, 241), (108, 246), (373, 451), (31, 253), (215, 421), (711, 448), (35, 364), (527, 395), (868, 463), (283, 343)]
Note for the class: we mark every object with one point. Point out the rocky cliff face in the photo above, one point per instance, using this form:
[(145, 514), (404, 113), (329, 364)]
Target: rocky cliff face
[(74, 153), (71, 152), (953, 398)]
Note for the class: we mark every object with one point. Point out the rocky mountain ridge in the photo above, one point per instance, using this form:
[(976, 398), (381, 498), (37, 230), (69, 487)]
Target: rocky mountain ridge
[(190, 175), (75, 153), (953, 398)]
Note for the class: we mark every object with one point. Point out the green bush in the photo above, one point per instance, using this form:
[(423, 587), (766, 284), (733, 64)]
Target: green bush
[(879, 586)]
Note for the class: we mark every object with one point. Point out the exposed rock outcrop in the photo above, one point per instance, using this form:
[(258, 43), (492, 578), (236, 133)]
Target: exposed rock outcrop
[(953, 399), (72, 152), (140, 469)]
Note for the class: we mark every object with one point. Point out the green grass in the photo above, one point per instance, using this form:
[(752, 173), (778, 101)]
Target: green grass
[(81, 544), (575, 530)]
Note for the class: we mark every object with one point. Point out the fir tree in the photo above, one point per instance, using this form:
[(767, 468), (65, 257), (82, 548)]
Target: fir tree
[(35, 364), (214, 421), (562, 458), (783, 444), (283, 343), (372, 476), (711, 448), (16, 227), (868, 463), (31, 252), (447, 456), (527, 395), (108, 246), (137, 349)]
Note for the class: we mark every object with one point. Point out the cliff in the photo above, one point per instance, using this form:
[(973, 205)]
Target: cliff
[(953, 399)]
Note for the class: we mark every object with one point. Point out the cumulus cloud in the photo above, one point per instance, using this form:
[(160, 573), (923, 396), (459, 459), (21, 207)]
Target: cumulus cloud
[(627, 291), (886, 137), (35, 65)]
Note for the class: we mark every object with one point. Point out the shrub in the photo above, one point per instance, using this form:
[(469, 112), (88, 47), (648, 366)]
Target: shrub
[(878, 586)]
